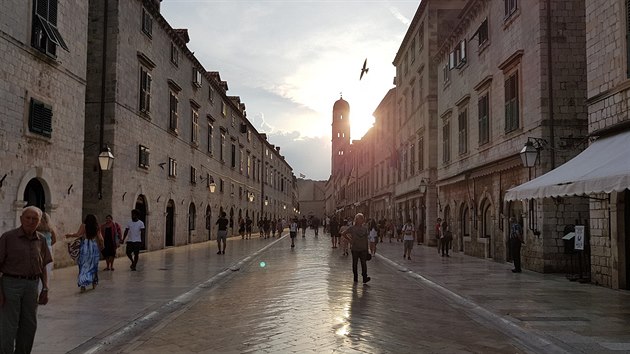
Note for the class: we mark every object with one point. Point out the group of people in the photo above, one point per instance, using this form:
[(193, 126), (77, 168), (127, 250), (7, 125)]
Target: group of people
[(26, 266)]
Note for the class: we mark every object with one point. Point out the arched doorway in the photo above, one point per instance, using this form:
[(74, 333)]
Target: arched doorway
[(192, 218), (209, 222), (232, 219), (486, 226), (170, 223), (464, 226), (34, 194), (141, 207)]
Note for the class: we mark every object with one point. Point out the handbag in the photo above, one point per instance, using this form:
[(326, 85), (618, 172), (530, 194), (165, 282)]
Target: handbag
[(74, 247), (369, 256)]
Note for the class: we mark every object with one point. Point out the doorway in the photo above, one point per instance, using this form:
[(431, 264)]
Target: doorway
[(141, 207), (170, 223), (192, 217), (209, 222), (34, 194)]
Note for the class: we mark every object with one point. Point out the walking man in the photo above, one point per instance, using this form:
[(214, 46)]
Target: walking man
[(293, 228), (23, 259), (409, 233), (136, 232), (223, 223), (303, 225), (438, 234), (248, 227), (516, 240), (358, 234)]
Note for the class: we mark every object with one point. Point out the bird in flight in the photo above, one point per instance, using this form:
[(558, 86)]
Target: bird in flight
[(364, 70)]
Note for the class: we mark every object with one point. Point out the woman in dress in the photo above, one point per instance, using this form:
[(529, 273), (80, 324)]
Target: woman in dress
[(90, 252), (112, 235), (47, 229)]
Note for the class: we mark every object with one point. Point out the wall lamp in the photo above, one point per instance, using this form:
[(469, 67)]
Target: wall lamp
[(266, 201), (209, 182), (531, 151), (424, 184), (250, 196)]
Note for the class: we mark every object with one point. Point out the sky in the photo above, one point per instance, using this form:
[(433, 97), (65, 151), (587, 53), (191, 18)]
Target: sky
[(290, 60)]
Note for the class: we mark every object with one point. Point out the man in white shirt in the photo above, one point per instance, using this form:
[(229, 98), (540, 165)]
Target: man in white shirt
[(136, 232), (409, 233)]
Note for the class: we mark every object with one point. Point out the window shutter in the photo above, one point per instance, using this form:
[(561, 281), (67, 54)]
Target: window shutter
[(148, 93), (462, 50), (40, 120)]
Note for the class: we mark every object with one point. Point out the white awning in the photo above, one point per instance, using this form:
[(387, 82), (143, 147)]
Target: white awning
[(603, 167)]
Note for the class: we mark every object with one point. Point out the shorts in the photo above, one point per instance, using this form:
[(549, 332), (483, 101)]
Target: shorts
[(133, 247), (293, 234), (408, 244), (222, 234)]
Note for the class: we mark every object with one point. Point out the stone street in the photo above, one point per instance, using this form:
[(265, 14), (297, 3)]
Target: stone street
[(263, 296)]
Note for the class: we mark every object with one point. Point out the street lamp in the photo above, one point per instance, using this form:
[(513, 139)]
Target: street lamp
[(251, 197), (530, 152), (422, 188), (106, 159), (266, 201)]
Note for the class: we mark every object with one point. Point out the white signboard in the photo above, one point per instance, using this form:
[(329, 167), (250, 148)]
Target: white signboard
[(579, 237)]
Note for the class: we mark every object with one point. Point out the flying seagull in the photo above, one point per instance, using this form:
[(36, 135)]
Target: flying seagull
[(364, 70)]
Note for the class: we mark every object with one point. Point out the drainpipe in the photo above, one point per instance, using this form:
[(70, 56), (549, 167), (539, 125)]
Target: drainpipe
[(103, 77), (550, 88)]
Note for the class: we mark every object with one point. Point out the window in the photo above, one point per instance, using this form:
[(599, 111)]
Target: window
[(223, 109), (457, 58), (40, 118), (210, 95), (174, 54), (172, 167), (147, 23), (446, 147), (446, 72), (511, 103), (484, 121), (193, 175), (482, 32), (145, 91), (412, 159), (192, 217), (412, 51), (249, 135), (510, 7), (249, 164), (486, 217), (462, 121), (413, 99), (420, 154), (196, 77), (221, 185), (233, 155), (210, 128), (194, 138), (465, 221), (44, 35), (240, 160), (143, 156), (233, 120), (222, 147), (173, 117)]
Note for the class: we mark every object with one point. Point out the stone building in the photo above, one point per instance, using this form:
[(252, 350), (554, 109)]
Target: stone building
[(415, 146), (312, 198), (184, 149), (507, 78), (382, 158), (43, 46), (601, 173)]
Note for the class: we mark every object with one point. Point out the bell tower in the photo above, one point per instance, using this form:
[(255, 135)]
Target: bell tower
[(340, 135)]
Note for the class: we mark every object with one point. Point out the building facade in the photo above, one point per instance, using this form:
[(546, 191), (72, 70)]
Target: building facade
[(184, 149), (43, 48), (415, 146), (312, 198), (501, 85)]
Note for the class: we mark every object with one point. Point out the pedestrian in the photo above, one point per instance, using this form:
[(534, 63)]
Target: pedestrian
[(47, 230), (293, 229), (382, 229), (389, 225), (273, 227), (438, 234), (316, 223), (516, 241), (24, 255), (358, 236), (136, 231), (112, 236), (241, 228), (333, 227), (446, 236), (372, 235), (409, 234), (279, 226), (89, 252), (248, 227), (222, 223), (303, 225), (266, 227), (343, 240), (261, 232)]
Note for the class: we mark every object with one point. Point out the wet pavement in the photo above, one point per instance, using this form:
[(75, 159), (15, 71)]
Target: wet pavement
[(262, 296)]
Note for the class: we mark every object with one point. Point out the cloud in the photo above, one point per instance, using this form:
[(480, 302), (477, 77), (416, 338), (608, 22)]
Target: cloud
[(303, 158)]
